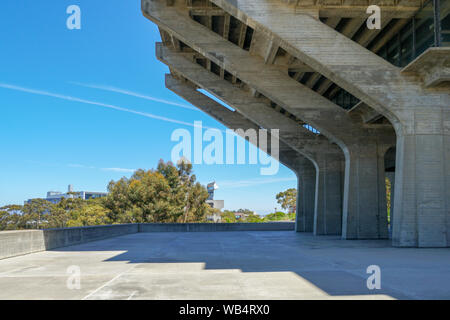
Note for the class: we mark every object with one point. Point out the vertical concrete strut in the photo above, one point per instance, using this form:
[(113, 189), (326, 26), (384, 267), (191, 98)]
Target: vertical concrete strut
[(421, 117)]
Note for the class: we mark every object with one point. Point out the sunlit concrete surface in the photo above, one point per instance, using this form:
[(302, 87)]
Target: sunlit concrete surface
[(228, 265)]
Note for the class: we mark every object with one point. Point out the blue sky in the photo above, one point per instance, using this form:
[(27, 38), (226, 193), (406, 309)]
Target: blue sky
[(87, 106)]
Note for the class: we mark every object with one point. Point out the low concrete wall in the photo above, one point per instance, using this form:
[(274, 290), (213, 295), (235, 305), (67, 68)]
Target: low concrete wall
[(57, 238), (16, 243), (213, 227)]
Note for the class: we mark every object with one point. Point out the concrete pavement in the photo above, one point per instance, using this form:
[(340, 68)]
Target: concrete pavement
[(228, 265)]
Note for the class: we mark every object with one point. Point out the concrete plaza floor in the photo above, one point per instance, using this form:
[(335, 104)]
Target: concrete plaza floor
[(227, 265)]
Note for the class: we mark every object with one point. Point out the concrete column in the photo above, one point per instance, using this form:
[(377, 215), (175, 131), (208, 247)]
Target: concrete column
[(306, 192), (328, 208), (422, 187), (365, 215)]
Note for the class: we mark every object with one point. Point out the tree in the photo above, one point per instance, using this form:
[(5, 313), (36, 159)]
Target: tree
[(36, 213), (228, 217), (90, 214), (167, 194), (388, 198), (276, 216), (145, 197), (10, 217), (287, 199), (253, 218)]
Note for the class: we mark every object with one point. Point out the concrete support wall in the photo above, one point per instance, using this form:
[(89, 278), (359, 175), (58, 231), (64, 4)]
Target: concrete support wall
[(365, 215), (422, 189), (306, 204), (329, 194)]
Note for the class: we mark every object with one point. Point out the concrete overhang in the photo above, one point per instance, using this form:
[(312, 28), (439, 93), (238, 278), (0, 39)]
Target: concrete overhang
[(433, 66)]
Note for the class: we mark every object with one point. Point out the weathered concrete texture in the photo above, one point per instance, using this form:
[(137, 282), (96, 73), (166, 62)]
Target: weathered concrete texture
[(14, 243), (433, 66), (306, 207), (228, 265), (328, 201)]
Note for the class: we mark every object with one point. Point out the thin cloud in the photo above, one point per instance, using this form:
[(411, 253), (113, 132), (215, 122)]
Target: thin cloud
[(82, 166), (76, 165), (95, 103), (134, 94), (253, 182), (121, 170)]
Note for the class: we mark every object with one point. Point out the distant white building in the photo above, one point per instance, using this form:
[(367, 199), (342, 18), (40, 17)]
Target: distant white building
[(56, 196), (216, 204)]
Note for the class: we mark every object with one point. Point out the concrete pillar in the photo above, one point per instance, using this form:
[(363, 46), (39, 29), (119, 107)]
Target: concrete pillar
[(306, 192), (365, 216), (422, 187), (329, 194)]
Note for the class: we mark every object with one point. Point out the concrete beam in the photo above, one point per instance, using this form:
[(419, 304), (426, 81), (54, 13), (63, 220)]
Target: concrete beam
[(433, 65), (298, 137)]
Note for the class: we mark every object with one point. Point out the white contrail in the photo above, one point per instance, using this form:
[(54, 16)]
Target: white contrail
[(133, 94), (100, 104)]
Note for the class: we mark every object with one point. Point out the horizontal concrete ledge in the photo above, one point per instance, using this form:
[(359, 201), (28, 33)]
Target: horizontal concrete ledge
[(16, 243), (20, 242), (216, 227)]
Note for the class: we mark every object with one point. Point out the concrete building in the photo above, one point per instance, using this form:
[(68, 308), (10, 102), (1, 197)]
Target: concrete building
[(216, 204), (56, 196), (354, 104)]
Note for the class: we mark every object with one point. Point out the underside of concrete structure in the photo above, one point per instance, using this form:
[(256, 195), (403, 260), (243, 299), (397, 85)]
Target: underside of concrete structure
[(261, 265), (353, 105)]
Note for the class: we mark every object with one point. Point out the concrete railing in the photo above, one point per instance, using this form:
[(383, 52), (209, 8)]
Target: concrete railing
[(16, 243), (214, 227)]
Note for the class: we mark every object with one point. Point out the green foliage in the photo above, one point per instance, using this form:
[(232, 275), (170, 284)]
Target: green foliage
[(228, 217), (388, 198), (92, 213), (168, 194), (287, 199), (250, 217), (277, 216)]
